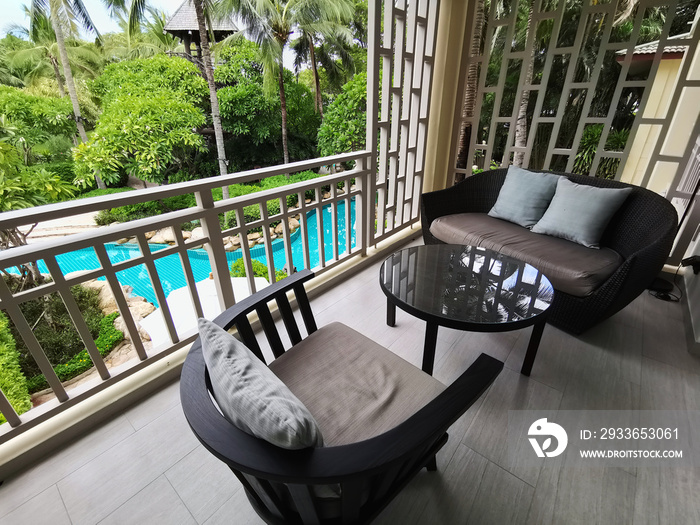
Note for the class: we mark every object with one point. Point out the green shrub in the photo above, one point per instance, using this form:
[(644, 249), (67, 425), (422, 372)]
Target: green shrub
[(141, 210), (12, 381), (259, 270), (101, 192), (109, 338), (52, 325)]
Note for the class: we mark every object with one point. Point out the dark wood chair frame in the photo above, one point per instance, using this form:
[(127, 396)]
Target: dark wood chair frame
[(642, 232), (278, 482)]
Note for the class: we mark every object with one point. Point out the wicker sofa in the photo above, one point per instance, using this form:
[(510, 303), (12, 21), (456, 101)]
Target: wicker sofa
[(640, 235)]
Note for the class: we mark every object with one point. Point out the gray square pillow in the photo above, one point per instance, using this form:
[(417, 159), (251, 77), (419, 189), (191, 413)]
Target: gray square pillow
[(580, 213), (524, 196), (251, 396)]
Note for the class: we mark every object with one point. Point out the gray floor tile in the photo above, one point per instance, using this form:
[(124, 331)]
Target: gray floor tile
[(488, 432), (667, 495), (236, 510), (46, 508), (203, 483), (20, 488), (502, 498), (156, 504), (160, 401), (98, 488)]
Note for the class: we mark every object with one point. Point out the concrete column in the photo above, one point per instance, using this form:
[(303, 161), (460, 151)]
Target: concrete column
[(445, 102)]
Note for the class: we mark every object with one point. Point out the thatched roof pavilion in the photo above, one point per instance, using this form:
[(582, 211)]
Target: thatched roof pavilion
[(183, 25)]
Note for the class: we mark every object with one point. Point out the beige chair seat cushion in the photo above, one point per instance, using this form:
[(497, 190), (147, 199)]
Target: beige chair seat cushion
[(570, 267), (354, 388)]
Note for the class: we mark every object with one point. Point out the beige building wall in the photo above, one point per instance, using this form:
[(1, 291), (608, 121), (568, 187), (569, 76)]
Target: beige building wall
[(647, 134)]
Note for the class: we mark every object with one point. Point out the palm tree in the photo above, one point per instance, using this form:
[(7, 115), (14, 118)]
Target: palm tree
[(199, 6), (42, 55), (270, 24), (336, 42), (66, 14), (202, 9)]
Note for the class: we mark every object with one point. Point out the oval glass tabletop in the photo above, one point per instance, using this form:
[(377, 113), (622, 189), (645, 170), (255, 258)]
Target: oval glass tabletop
[(461, 286)]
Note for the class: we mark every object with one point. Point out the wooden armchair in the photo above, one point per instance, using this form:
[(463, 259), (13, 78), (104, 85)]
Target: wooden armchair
[(355, 475)]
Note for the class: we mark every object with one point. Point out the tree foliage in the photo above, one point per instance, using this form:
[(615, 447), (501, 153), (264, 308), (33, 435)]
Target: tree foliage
[(344, 126), (35, 118), (12, 381), (251, 116), (151, 110)]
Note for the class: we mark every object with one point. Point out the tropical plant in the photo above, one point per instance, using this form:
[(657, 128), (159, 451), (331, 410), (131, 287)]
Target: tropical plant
[(11, 75), (270, 23), (336, 39), (152, 108), (589, 145), (34, 119), (203, 9), (12, 381), (344, 126), (65, 14), (251, 116), (41, 58), (149, 138), (259, 270)]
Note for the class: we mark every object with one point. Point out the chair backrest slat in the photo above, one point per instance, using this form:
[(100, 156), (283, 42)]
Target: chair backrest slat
[(288, 318), (268, 324), (264, 492), (351, 499), (304, 503), (245, 331), (305, 308)]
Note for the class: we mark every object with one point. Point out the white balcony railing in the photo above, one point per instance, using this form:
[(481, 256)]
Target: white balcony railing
[(335, 196)]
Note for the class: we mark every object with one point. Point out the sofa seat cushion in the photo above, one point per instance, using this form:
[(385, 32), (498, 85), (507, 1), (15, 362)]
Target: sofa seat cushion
[(355, 388), (570, 267)]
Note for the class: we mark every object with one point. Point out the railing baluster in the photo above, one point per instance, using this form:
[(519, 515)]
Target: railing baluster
[(215, 249), (319, 228), (13, 310), (8, 411), (76, 316), (189, 275), (148, 261), (119, 298)]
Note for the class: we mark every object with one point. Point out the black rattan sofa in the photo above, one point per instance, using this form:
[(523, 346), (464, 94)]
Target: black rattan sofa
[(641, 232)]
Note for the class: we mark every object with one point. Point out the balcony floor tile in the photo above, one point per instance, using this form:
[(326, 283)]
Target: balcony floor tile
[(145, 466)]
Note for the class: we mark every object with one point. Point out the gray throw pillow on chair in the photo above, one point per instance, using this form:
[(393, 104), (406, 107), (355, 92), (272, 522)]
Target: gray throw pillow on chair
[(580, 213), (251, 396), (524, 196)]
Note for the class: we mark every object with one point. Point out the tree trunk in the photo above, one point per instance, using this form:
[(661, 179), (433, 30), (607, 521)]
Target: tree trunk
[(70, 85), (59, 78), (283, 106), (318, 101), (470, 88), (215, 114), (521, 122)]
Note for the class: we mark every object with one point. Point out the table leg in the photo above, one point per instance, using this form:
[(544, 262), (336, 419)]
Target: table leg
[(532, 347), (390, 314), (431, 330)]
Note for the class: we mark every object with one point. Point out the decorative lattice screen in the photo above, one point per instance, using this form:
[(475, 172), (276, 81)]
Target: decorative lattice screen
[(555, 84), (399, 81)]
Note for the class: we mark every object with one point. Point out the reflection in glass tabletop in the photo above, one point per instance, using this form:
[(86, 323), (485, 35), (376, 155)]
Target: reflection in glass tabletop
[(466, 288), (465, 284)]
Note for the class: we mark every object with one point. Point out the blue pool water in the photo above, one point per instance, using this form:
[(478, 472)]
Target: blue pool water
[(170, 269)]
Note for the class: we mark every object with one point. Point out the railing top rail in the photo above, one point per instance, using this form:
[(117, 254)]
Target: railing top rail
[(21, 254), (59, 210)]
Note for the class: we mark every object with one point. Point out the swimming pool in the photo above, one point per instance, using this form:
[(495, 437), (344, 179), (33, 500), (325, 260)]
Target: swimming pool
[(170, 268)]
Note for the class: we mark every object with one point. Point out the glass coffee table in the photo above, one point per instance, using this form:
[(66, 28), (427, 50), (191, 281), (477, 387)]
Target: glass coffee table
[(466, 288)]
